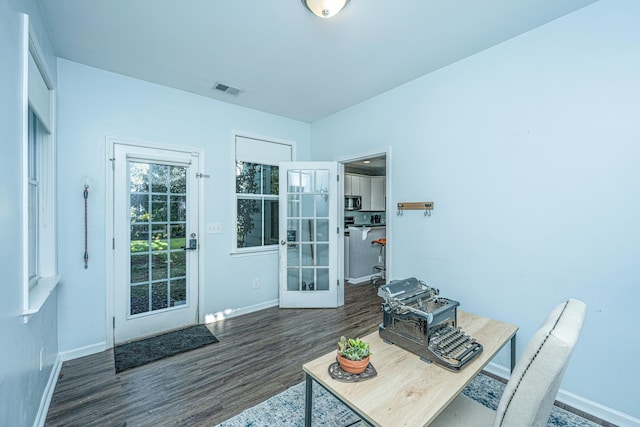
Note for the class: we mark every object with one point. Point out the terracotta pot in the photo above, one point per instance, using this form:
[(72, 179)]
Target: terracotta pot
[(353, 366)]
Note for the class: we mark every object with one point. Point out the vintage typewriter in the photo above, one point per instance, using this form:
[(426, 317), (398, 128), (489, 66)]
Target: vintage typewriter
[(418, 320)]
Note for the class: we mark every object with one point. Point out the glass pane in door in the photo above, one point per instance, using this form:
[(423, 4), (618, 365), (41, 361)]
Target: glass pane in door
[(308, 230), (158, 220)]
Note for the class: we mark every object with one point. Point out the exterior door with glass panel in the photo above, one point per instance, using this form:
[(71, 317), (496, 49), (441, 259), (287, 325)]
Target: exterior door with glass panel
[(308, 230), (156, 241)]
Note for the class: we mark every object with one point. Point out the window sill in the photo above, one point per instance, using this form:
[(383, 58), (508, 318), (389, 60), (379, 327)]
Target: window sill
[(38, 295)]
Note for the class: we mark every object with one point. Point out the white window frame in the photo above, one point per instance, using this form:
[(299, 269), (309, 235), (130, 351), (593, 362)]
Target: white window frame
[(270, 159), (39, 280), (36, 139)]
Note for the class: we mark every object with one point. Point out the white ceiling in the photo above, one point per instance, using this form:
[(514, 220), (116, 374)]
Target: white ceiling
[(285, 60)]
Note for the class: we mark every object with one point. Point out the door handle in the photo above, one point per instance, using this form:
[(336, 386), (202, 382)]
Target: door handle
[(193, 245), (283, 242)]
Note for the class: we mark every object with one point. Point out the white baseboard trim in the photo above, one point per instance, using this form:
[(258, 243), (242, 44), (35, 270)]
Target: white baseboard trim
[(580, 403), (87, 350), (45, 401), (233, 312), (498, 370), (358, 280), (597, 410)]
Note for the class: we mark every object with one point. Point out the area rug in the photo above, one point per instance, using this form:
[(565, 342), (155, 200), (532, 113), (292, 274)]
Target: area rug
[(287, 408), (138, 353)]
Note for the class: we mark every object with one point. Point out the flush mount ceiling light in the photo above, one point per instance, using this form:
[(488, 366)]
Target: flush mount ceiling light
[(325, 8)]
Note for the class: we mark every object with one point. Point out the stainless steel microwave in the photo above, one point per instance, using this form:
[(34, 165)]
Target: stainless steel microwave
[(352, 203)]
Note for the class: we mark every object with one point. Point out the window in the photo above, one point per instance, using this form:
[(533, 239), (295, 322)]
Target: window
[(257, 204), (256, 192), (39, 237)]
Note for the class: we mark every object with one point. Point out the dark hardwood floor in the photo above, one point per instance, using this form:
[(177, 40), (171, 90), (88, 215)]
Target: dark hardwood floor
[(259, 355)]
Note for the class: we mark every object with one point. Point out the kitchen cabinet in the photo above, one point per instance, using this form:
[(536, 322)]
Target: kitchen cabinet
[(378, 193), (356, 185), (365, 192), (370, 188), (352, 185)]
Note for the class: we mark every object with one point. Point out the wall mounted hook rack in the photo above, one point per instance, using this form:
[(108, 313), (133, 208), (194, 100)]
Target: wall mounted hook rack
[(427, 207)]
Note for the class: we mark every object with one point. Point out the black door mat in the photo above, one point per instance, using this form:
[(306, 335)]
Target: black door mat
[(138, 353)]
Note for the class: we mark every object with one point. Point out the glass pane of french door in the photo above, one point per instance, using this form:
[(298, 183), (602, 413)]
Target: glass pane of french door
[(158, 223), (308, 211), (308, 241)]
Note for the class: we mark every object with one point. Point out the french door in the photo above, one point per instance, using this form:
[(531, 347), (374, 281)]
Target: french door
[(308, 229), (155, 241)]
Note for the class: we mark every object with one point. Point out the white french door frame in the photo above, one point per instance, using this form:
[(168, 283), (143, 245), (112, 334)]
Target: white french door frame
[(198, 156), (318, 297), (390, 212)]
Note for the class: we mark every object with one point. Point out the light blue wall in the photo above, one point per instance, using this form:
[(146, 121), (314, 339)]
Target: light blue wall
[(531, 152), (39, 32), (22, 383), (94, 104), (514, 145)]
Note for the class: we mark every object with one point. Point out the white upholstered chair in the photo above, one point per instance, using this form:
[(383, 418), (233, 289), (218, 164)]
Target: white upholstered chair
[(529, 395)]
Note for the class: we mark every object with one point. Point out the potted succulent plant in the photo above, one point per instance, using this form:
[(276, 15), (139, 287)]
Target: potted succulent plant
[(353, 355)]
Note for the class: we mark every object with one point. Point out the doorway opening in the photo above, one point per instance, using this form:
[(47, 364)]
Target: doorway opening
[(366, 233)]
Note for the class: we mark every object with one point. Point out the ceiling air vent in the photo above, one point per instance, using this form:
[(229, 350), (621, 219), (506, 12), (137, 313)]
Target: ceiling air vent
[(227, 89)]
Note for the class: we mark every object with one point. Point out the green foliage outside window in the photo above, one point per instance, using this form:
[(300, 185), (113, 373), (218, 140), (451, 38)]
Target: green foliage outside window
[(257, 189)]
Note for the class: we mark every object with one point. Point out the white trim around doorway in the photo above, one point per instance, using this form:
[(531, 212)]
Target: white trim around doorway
[(389, 211), (110, 142)]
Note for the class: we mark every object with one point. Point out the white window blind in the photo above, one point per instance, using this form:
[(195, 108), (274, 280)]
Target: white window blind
[(262, 152), (39, 94)]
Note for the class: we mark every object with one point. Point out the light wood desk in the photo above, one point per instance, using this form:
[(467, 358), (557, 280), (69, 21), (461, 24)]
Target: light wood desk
[(408, 391)]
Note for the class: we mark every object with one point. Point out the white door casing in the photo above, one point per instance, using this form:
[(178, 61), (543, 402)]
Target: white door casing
[(308, 230), (155, 250)]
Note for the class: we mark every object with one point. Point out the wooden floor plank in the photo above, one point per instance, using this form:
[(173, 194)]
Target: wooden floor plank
[(208, 385)]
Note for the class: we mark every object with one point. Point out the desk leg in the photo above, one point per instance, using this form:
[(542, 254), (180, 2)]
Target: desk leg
[(308, 400), (513, 352)]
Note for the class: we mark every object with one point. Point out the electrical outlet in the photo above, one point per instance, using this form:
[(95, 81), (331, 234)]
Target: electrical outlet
[(256, 283), (379, 258)]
